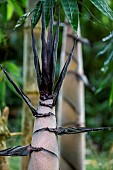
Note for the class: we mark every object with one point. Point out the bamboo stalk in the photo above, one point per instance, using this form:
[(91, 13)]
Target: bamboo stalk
[(30, 84), (47, 140), (72, 109), (4, 133)]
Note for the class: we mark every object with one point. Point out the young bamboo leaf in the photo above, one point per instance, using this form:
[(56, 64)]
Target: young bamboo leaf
[(20, 92), (47, 8), (36, 13), (103, 7), (16, 151), (36, 60), (72, 12), (21, 20), (62, 75)]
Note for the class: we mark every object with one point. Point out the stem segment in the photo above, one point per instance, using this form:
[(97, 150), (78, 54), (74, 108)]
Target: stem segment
[(43, 160)]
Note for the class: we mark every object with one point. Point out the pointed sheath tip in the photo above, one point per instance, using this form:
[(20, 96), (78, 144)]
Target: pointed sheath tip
[(63, 74)]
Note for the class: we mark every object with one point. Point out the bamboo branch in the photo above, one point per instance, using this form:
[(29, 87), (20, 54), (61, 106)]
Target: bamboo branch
[(16, 151), (16, 134), (74, 130), (83, 78), (81, 40), (24, 151), (27, 150)]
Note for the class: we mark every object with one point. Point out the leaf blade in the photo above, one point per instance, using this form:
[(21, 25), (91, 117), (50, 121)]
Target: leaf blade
[(103, 7), (72, 12), (16, 6), (47, 8), (62, 75), (36, 14), (21, 20)]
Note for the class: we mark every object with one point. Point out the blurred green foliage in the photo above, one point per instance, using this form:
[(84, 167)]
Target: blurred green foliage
[(15, 163), (98, 67), (10, 49)]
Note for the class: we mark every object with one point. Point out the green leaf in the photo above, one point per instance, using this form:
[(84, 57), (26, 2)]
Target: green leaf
[(47, 7), (24, 3), (2, 38), (2, 92), (102, 85), (13, 69), (36, 14), (4, 12), (108, 37), (103, 7), (106, 48), (109, 58), (16, 7), (9, 85), (111, 95), (15, 73), (72, 12), (22, 20), (38, 10), (9, 11)]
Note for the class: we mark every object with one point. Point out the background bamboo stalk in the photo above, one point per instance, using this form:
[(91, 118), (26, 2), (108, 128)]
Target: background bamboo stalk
[(4, 133), (72, 110), (62, 56), (30, 84)]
